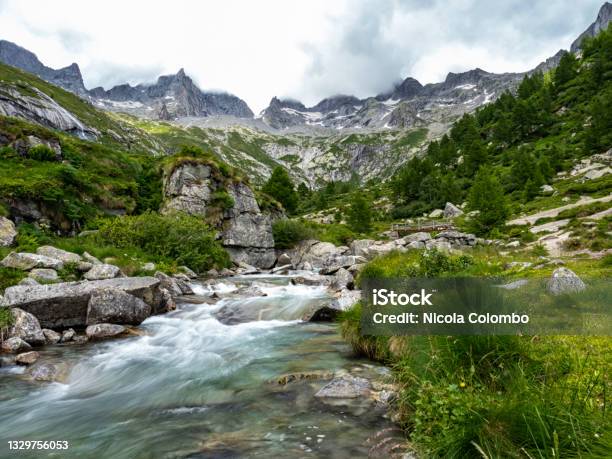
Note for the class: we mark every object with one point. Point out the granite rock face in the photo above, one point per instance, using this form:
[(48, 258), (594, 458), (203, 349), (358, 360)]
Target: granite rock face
[(245, 230), (113, 305)]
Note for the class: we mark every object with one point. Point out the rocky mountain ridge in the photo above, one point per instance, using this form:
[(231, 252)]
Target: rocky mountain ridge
[(169, 98)]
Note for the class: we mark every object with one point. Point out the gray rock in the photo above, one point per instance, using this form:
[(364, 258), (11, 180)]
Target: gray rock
[(226, 273), (415, 245), (416, 237), (438, 244), (342, 280), (51, 337), (8, 233), (102, 331), (360, 247), (169, 283), (84, 266), (91, 259), (518, 264), (103, 271), (437, 213), (513, 244), (15, 345), (44, 275), (212, 273), (68, 335), (112, 305), (515, 285), (547, 189), (564, 280), (282, 268), (26, 261), (188, 272), (26, 327), (27, 358), (48, 372), (342, 301), (28, 281), (58, 254), (452, 211), (283, 260), (80, 339), (65, 304), (346, 386), (149, 267), (311, 279)]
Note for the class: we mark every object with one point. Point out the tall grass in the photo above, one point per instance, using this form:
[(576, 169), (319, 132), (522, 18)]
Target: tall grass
[(491, 396)]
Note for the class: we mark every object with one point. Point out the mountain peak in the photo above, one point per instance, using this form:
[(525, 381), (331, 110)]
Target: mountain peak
[(601, 23)]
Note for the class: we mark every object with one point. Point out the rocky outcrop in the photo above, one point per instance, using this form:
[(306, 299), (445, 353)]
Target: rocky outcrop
[(39, 108), (102, 271), (601, 23), (452, 211), (66, 304), (246, 232), (8, 233)]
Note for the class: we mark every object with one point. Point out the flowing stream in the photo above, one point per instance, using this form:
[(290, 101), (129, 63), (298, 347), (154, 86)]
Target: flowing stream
[(194, 386)]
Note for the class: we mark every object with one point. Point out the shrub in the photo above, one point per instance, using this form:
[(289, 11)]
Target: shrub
[(222, 199), (41, 153), (287, 233), (183, 239)]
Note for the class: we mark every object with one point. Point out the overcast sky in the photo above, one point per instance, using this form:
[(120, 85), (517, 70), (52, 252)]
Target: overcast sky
[(304, 49)]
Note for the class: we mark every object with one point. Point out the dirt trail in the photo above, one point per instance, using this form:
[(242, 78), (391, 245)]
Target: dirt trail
[(531, 219)]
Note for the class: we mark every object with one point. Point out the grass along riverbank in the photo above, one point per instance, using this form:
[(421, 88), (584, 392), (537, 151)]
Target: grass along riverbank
[(493, 396)]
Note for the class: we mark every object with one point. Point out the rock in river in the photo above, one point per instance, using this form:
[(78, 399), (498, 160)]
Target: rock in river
[(15, 345), (102, 331), (65, 304), (27, 358), (346, 386), (113, 305)]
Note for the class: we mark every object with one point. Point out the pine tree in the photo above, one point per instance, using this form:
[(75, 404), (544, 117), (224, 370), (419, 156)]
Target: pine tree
[(487, 197), (280, 187), (359, 215), (565, 71)]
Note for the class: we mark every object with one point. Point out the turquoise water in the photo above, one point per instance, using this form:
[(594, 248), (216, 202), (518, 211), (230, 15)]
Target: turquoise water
[(191, 386)]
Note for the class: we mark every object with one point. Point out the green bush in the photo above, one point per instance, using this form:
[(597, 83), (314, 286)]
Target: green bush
[(222, 199), (6, 318), (41, 153), (180, 238), (10, 276), (287, 233)]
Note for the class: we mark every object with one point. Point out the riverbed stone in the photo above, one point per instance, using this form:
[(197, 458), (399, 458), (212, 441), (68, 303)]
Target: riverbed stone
[(48, 372), (188, 272), (283, 260), (346, 386), (51, 337), (27, 358), (8, 233), (15, 345), (103, 331), (342, 301), (564, 280), (26, 327), (113, 305), (58, 254), (169, 283), (65, 304), (68, 335), (26, 261), (342, 279), (44, 275), (103, 271)]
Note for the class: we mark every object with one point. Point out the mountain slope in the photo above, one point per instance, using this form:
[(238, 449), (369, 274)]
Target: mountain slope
[(601, 23)]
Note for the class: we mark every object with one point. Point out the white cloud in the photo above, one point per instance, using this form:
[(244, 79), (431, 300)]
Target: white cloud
[(305, 49)]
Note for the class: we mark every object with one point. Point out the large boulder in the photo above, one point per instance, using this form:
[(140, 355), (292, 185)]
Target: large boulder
[(27, 358), (102, 331), (26, 261), (8, 233), (360, 247), (26, 327), (564, 280), (49, 372), (102, 271), (51, 337), (65, 304), (113, 305), (452, 211), (58, 254), (342, 301), (416, 237), (343, 279)]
